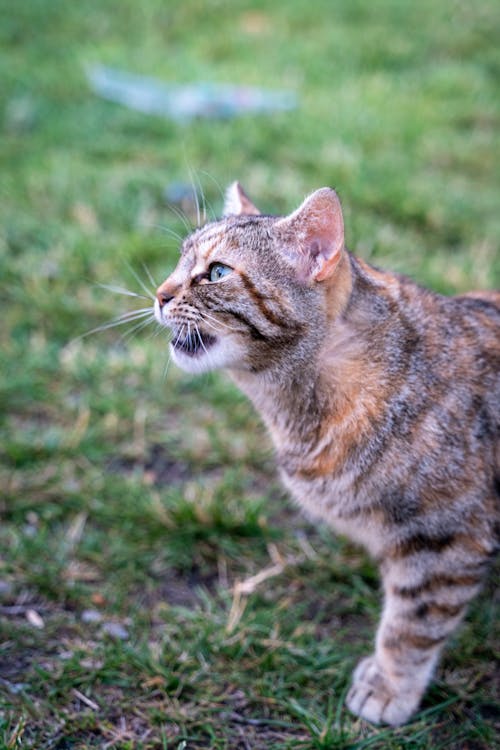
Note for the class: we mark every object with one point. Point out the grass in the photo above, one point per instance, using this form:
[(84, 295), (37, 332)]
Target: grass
[(134, 504)]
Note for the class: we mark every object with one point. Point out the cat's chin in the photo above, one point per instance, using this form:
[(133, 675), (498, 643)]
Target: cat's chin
[(213, 355)]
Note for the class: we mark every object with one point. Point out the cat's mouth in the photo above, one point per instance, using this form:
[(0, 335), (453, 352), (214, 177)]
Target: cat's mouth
[(193, 343)]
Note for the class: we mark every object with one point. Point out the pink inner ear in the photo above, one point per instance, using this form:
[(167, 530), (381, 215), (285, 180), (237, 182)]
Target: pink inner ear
[(317, 231)]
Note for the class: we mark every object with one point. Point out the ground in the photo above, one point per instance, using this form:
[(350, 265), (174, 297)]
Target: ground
[(157, 587)]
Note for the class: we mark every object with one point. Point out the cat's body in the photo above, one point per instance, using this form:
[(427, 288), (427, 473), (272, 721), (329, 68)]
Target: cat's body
[(382, 400)]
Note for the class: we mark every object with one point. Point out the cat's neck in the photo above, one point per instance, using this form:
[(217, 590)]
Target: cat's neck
[(341, 379)]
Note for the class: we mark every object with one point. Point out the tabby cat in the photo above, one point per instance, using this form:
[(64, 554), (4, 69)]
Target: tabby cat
[(382, 400)]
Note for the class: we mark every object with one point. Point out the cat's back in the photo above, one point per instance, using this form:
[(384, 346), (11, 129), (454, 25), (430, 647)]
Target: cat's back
[(479, 311), (456, 352), (456, 338), (451, 389), (478, 343), (469, 327)]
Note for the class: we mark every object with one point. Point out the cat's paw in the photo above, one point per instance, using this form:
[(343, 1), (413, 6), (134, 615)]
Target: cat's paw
[(373, 697)]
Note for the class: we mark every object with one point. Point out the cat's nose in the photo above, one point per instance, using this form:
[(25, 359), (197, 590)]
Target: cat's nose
[(163, 297), (164, 294)]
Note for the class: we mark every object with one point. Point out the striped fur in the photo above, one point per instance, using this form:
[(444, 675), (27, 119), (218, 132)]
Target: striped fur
[(382, 401)]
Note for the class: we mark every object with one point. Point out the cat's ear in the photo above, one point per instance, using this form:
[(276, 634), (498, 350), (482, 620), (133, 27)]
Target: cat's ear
[(314, 234), (238, 203)]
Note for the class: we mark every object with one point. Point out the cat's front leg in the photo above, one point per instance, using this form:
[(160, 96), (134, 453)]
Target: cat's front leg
[(387, 686)]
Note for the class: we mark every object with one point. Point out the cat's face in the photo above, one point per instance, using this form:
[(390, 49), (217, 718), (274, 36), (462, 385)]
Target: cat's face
[(246, 293)]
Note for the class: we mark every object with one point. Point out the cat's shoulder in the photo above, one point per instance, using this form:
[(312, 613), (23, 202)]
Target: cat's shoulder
[(410, 292), (486, 301)]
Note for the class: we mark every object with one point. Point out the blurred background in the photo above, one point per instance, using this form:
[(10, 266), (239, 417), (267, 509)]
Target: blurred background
[(133, 497)]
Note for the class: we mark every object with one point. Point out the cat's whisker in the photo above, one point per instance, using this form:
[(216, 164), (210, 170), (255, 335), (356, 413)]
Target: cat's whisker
[(167, 365), (149, 292), (180, 334), (182, 217), (216, 183), (150, 277), (212, 210), (208, 204), (122, 290), (200, 337), (156, 332), (203, 200), (134, 313), (194, 191), (168, 230), (138, 327), (119, 321), (207, 317), (112, 324), (196, 201), (205, 203), (211, 325)]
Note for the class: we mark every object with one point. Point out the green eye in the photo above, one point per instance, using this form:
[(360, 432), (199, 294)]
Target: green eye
[(217, 271)]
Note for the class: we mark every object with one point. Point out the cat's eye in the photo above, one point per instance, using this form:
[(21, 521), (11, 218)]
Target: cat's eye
[(218, 271)]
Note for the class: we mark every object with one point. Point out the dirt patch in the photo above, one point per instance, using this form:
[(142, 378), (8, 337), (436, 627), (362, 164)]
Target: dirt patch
[(159, 467), (177, 590)]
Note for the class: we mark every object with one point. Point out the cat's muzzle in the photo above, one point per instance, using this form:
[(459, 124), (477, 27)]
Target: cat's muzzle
[(193, 343)]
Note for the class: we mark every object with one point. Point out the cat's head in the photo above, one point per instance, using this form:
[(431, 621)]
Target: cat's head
[(249, 290)]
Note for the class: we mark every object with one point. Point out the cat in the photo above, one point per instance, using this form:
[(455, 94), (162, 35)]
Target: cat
[(382, 401)]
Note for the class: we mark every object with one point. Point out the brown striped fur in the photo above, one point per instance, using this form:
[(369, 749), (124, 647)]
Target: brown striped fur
[(382, 400)]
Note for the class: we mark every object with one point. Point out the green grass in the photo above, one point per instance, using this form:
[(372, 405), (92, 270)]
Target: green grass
[(143, 497)]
